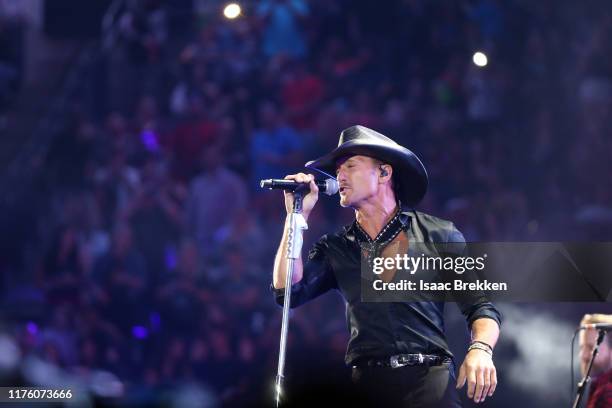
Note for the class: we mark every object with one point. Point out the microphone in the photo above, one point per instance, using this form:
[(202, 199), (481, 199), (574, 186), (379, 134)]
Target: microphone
[(329, 186), (598, 326)]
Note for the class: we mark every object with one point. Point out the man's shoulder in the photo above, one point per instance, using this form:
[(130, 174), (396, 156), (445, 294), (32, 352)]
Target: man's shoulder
[(605, 378), (338, 237), (432, 220), (436, 228), (601, 393)]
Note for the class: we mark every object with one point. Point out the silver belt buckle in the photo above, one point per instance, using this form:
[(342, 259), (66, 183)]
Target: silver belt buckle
[(395, 362)]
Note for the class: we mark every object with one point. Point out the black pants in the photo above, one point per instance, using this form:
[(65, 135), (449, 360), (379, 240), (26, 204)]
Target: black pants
[(408, 386)]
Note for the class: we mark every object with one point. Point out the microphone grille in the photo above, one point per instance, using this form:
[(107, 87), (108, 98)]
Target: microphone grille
[(331, 186)]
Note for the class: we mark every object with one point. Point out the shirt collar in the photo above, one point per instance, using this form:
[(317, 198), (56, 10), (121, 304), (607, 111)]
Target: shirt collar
[(405, 214), (405, 217)]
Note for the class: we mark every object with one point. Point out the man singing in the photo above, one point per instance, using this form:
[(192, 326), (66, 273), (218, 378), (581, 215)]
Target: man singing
[(397, 350)]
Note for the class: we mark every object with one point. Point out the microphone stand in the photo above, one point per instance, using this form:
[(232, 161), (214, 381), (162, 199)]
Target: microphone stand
[(294, 249), (582, 385)]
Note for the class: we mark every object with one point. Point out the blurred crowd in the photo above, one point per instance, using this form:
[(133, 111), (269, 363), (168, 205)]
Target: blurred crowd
[(12, 27), (148, 246)]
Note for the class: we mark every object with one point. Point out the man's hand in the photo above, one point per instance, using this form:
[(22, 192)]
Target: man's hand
[(308, 204), (479, 371), (310, 199)]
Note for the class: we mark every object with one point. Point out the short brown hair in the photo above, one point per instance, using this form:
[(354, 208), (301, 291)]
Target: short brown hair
[(597, 318)]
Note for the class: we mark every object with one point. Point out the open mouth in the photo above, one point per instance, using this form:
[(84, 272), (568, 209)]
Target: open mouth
[(343, 189)]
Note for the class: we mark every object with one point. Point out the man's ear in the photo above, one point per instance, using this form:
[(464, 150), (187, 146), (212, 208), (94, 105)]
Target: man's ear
[(385, 171)]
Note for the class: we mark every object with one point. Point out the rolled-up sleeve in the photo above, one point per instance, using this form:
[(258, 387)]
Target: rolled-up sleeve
[(481, 310), (317, 277), (478, 305)]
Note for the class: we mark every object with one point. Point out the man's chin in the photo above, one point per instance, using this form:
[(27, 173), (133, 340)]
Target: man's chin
[(344, 202)]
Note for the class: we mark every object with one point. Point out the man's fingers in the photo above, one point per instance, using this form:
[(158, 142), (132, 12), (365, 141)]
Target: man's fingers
[(461, 378), (313, 186), (486, 385), (297, 177), (479, 384), (300, 177), (493, 381), (471, 382), (481, 378)]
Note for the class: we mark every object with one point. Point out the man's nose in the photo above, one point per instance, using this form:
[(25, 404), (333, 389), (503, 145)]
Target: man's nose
[(341, 175)]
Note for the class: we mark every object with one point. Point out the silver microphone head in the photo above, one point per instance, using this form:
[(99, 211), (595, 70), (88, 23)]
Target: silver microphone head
[(331, 186)]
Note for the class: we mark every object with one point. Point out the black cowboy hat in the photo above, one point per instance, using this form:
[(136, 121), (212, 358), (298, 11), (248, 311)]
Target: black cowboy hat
[(409, 173)]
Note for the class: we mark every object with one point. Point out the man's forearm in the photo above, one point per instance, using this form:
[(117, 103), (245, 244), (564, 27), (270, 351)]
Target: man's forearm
[(280, 262), (485, 330), (478, 369)]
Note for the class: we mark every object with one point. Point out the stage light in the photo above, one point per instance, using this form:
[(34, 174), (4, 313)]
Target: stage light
[(32, 328), (232, 11), (140, 332), (480, 59)]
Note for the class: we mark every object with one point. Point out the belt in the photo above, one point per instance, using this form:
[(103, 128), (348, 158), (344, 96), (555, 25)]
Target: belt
[(401, 360)]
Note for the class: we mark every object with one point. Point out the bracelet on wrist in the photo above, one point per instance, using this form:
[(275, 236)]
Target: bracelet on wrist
[(487, 345), (478, 346)]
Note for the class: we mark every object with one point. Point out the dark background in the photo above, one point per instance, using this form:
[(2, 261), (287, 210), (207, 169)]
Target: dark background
[(136, 248)]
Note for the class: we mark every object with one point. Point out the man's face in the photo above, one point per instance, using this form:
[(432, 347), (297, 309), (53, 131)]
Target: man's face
[(358, 178), (603, 361)]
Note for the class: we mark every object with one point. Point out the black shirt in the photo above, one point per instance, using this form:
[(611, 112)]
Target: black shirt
[(382, 329)]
